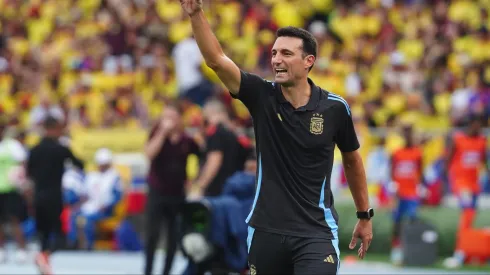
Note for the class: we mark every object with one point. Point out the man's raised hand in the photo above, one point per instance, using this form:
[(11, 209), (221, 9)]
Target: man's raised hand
[(191, 6)]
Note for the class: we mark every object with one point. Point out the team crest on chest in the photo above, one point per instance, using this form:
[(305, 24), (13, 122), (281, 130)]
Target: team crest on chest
[(316, 124)]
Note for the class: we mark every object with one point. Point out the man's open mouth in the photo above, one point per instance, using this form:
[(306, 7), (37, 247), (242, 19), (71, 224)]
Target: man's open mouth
[(281, 72)]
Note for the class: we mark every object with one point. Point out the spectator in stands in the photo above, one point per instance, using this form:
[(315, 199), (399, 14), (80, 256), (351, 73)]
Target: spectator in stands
[(44, 109), (12, 207), (74, 194), (45, 167), (168, 149), (224, 153), (460, 102), (480, 101), (378, 169), (411, 46), (103, 190), (190, 79)]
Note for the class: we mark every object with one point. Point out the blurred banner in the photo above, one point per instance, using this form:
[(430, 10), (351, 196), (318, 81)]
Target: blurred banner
[(85, 142)]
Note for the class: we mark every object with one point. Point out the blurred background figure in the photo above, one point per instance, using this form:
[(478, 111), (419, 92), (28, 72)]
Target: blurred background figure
[(407, 174), (168, 149), (74, 194), (241, 184), (45, 109), (12, 185), (378, 172), (467, 155), (103, 190), (45, 167), (223, 150), (192, 83)]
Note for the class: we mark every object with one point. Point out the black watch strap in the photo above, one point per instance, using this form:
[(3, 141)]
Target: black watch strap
[(365, 215)]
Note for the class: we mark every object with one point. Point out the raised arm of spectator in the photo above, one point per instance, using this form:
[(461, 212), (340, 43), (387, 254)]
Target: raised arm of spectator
[(227, 71), (155, 143), (157, 138)]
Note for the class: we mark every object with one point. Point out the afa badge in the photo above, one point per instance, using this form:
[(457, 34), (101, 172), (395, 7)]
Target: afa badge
[(316, 124)]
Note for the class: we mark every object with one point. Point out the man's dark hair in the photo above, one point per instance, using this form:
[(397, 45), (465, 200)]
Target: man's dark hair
[(50, 123), (309, 41)]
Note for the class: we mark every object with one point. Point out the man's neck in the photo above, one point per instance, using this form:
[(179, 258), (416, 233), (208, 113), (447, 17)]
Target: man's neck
[(298, 95)]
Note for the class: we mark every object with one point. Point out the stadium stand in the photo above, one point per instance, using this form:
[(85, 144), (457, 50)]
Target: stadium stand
[(107, 65)]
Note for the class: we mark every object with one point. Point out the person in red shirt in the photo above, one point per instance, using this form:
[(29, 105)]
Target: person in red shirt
[(407, 176), (466, 156)]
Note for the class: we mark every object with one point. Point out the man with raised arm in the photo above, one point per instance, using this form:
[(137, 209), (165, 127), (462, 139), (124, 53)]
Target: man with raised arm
[(293, 222)]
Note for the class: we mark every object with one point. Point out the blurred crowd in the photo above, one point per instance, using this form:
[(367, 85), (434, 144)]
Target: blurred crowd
[(118, 63), (109, 63)]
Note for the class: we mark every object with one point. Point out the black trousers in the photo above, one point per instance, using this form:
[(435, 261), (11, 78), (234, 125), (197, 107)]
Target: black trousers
[(158, 209), (48, 224), (12, 205), (271, 253)]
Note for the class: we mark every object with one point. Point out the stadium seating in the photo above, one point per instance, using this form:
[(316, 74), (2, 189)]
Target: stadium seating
[(88, 88)]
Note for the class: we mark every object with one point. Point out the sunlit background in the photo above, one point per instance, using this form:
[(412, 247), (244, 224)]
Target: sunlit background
[(107, 69)]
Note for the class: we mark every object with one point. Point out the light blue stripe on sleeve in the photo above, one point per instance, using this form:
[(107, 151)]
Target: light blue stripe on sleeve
[(259, 183), (337, 96), (331, 97)]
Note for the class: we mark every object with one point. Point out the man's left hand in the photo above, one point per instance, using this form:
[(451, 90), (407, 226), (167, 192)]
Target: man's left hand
[(363, 231)]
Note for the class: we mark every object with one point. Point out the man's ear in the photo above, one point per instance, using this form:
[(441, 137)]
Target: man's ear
[(309, 61)]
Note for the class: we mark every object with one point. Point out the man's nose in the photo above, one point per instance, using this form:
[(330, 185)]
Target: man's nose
[(276, 61)]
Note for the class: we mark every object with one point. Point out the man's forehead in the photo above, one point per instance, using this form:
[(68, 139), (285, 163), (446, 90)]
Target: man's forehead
[(287, 43)]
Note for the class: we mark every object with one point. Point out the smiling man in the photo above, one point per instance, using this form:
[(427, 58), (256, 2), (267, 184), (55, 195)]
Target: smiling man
[(293, 224)]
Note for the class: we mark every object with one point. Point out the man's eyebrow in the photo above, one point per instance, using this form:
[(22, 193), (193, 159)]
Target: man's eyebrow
[(281, 50)]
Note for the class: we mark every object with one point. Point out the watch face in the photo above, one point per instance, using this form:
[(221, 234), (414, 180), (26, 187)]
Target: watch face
[(371, 212)]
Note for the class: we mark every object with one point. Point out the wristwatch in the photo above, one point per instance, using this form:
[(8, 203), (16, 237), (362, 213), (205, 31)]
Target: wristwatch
[(365, 215)]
